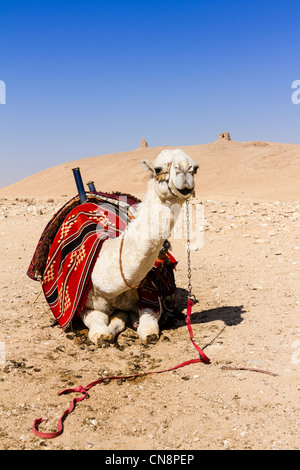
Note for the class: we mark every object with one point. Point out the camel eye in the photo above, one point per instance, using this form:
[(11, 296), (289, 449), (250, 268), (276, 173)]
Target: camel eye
[(158, 170)]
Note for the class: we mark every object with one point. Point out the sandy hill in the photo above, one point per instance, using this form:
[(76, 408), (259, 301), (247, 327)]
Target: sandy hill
[(228, 169)]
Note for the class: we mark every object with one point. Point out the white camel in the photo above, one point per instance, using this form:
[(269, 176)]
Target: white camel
[(110, 299)]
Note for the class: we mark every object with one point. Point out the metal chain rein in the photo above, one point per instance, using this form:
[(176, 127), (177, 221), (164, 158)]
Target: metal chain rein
[(188, 249)]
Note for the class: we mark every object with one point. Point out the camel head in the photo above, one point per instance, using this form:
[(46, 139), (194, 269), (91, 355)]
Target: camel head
[(173, 172)]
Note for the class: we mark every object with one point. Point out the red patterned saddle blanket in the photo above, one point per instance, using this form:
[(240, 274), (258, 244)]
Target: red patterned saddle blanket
[(68, 248)]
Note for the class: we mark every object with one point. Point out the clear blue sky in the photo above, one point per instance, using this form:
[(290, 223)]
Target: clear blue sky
[(89, 77)]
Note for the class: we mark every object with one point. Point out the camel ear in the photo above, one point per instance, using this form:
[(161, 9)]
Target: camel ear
[(196, 168), (148, 166)]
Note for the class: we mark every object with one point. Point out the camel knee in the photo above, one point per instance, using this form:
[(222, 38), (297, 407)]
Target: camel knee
[(93, 318)]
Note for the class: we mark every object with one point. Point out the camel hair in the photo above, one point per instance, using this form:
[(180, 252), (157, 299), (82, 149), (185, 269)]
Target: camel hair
[(111, 302)]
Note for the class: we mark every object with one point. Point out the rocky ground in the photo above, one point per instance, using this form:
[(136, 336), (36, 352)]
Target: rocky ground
[(246, 279)]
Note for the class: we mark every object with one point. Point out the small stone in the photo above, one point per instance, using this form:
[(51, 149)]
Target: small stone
[(257, 287)]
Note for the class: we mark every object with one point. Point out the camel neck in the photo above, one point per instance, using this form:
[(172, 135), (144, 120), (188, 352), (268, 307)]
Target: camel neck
[(144, 236)]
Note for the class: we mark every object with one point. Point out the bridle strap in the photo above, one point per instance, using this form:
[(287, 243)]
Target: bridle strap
[(163, 175)]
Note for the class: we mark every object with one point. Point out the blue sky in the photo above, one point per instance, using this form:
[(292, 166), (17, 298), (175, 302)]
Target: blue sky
[(85, 78)]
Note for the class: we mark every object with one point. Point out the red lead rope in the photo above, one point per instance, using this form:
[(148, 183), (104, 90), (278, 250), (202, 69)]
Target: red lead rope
[(203, 357), (84, 390)]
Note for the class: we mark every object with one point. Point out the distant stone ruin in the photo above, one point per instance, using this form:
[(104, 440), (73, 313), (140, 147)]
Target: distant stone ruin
[(144, 144), (224, 136)]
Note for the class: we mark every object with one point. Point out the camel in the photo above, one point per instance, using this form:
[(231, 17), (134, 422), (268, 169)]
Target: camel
[(112, 299)]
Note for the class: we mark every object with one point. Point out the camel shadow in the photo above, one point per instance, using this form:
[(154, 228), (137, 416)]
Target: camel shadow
[(230, 314)]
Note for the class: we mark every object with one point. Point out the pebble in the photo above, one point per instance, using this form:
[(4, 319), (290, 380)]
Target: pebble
[(257, 287)]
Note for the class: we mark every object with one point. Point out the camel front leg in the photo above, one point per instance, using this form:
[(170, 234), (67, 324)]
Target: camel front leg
[(118, 322), (103, 328), (97, 323), (148, 329)]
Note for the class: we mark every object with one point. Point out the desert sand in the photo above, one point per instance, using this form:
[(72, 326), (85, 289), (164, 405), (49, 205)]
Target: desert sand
[(246, 281)]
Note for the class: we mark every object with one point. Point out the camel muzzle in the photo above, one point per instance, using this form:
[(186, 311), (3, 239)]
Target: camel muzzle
[(184, 191)]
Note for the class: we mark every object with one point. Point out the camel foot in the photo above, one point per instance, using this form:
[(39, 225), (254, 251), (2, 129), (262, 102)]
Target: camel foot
[(101, 339), (148, 329), (102, 343), (150, 339)]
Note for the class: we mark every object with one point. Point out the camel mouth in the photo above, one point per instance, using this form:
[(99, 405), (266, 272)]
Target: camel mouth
[(184, 191)]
